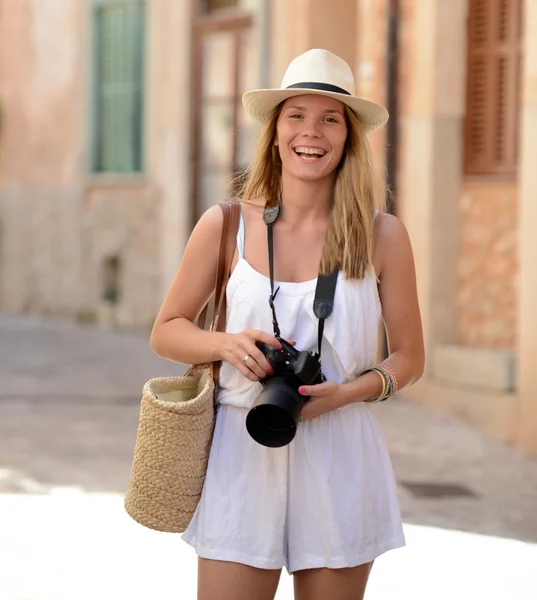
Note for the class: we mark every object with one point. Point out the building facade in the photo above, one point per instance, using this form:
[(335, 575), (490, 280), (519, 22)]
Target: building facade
[(121, 122)]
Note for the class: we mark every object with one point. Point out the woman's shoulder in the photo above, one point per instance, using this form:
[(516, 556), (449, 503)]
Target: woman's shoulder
[(210, 223), (391, 238), (389, 228)]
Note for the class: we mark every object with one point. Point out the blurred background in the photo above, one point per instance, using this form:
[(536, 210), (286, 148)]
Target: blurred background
[(120, 123)]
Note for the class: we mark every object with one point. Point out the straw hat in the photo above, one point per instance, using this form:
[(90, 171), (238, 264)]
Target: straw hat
[(316, 72)]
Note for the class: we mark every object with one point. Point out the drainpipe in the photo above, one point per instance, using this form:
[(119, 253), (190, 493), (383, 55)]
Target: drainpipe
[(392, 104), (391, 126), (265, 19)]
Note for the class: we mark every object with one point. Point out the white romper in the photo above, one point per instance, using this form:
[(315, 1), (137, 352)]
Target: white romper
[(327, 499)]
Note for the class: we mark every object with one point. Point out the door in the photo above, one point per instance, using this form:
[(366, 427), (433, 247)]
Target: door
[(224, 68)]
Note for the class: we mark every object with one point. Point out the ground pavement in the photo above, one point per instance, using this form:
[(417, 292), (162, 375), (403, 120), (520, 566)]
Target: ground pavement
[(69, 399)]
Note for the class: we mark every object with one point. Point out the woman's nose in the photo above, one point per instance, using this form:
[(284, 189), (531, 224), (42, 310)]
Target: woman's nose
[(312, 128)]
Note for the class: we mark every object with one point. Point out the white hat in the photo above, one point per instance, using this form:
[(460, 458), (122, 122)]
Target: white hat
[(316, 72)]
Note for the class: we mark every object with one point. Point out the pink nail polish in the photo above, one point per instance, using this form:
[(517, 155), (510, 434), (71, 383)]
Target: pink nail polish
[(301, 390)]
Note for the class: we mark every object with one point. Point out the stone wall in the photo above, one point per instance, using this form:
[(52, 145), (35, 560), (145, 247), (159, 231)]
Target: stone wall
[(121, 222), (487, 265), (40, 251)]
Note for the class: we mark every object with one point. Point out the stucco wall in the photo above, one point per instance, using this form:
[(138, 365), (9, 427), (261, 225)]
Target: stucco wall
[(41, 153)]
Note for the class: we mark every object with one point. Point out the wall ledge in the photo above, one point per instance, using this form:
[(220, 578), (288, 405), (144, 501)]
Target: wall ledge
[(115, 180), (482, 369)]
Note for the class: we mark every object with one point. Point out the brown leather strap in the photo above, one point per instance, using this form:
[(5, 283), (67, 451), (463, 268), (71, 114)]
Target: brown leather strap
[(228, 244), (221, 282), (220, 267), (231, 212)]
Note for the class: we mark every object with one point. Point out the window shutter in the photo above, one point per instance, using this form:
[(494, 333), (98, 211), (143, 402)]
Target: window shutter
[(118, 91), (492, 101)]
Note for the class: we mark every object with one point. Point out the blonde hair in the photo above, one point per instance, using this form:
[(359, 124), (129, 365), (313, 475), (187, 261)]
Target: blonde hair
[(357, 194)]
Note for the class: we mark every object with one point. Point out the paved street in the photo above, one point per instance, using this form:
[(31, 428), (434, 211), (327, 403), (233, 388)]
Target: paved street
[(69, 399)]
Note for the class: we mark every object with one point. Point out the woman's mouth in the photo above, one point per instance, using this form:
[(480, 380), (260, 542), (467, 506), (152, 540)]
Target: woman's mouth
[(309, 154)]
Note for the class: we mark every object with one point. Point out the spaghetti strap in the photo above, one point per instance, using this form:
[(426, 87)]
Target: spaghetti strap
[(240, 237)]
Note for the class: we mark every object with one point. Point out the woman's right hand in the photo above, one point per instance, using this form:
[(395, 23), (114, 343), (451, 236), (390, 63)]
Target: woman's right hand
[(241, 351)]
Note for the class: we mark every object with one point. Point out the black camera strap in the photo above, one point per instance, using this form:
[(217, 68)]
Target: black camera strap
[(323, 304), (273, 294)]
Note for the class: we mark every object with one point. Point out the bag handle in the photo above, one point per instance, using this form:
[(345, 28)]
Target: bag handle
[(231, 212), (228, 242)]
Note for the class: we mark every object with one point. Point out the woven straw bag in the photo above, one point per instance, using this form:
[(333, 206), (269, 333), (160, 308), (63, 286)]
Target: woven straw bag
[(176, 424)]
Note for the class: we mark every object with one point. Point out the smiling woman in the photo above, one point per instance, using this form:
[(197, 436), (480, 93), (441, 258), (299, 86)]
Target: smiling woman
[(322, 503), (315, 131), (320, 124)]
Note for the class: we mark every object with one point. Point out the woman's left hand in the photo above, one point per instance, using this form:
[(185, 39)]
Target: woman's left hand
[(324, 397)]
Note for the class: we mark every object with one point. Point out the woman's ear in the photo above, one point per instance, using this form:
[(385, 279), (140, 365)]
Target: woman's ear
[(276, 141)]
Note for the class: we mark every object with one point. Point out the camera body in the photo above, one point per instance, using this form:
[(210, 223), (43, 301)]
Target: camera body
[(291, 363), (273, 419)]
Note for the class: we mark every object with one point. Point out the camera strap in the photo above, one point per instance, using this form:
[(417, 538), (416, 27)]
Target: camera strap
[(323, 304)]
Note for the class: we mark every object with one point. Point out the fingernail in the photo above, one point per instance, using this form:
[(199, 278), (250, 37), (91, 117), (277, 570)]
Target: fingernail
[(279, 346), (301, 390)]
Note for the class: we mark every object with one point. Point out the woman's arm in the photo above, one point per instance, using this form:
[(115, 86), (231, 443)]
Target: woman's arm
[(400, 309), (174, 335)]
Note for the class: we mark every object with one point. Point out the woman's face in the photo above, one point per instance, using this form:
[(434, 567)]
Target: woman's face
[(310, 134)]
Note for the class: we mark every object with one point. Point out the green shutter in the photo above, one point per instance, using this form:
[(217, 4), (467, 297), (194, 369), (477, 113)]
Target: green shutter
[(118, 85)]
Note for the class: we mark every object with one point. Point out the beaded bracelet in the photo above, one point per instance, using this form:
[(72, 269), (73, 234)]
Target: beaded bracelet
[(390, 383), (393, 378)]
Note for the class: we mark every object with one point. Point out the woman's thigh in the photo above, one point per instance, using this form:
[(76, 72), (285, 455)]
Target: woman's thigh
[(336, 584), (221, 580)]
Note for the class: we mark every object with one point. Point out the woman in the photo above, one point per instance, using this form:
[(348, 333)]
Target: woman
[(325, 505)]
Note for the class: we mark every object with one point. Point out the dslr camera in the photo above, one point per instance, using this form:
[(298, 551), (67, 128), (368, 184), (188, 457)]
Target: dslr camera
[(273, 419)]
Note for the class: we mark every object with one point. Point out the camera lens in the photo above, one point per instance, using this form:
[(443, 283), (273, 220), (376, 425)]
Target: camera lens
[(272, 421), (276, 420), (270, 426)]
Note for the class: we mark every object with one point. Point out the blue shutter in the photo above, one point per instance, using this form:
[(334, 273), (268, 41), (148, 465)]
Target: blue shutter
[(118, 85)]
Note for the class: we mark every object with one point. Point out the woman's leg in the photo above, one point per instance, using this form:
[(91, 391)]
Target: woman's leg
[(336, 584), (221, 580)]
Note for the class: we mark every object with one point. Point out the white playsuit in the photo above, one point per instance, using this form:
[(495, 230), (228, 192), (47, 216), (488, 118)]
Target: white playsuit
[(327, 499)]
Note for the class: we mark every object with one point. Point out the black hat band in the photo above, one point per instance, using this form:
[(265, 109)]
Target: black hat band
[(322, 87)]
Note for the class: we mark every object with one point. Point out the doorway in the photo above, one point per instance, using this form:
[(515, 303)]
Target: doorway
[(223, 70)]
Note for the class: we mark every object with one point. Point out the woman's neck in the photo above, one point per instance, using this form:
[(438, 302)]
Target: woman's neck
[(305, 202)]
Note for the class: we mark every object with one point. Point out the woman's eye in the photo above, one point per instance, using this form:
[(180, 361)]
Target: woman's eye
[(294, 116), (331, 120)]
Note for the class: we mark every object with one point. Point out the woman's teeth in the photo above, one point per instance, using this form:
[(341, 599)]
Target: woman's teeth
[(310, 154)]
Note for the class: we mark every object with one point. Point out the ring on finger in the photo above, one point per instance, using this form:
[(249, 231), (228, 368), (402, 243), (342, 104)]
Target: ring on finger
[(245, 358)]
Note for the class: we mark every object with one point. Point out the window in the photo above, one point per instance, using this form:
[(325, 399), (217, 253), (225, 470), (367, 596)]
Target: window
[(493, 81), (118, 65)]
